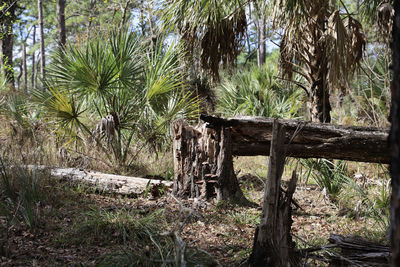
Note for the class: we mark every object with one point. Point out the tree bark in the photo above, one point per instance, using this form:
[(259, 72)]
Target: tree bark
[(24, 68), (124, 12), (203, 164), (252, 136), (273, 245), (319, 92), (260, 23), (262, 49), (394, 140), (33, 74), (7, 41), (61, 23), (320, 105), (42, 50)]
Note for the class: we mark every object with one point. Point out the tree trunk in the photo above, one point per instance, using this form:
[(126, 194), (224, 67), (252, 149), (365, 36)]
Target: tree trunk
[(33, 74), (203, 164), (91, 11), (61, 23), (262, 50), (273, 245), (19, 77), (42, 52), (24, 68), (260, 23), (7, 41), (394, 141), (124, 12), (320, 106)]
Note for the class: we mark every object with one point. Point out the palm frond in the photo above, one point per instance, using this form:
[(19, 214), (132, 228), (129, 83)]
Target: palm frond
[(216, 27), (62, 107)]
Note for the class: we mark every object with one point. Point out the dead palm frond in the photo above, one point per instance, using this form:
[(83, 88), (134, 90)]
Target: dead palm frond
[(215, 27)]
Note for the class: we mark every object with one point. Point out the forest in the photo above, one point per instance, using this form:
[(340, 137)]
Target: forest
[(199, 133)]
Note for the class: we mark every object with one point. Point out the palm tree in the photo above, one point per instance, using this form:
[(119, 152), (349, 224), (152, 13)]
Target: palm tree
[(321, 45), (127, 91)]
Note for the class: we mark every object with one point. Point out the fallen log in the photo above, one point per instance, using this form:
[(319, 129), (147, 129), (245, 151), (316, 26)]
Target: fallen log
[(110, 183), (252, 136), (203, 154), (358, 251), (103, 182)]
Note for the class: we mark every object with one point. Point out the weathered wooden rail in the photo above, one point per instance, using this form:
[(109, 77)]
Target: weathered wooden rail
[(252, 136)]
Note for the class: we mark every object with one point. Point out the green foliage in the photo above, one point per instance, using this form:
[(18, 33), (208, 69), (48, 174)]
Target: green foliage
[(372, 90), (20, 194), (256, 92), (374, 202), (17, 108), (130, 92), (330, 176)]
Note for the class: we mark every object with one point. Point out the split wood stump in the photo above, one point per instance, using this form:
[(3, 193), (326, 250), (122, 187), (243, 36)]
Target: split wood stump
[(203, 163)]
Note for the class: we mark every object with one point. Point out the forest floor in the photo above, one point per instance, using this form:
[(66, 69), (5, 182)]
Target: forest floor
[(76, 226)]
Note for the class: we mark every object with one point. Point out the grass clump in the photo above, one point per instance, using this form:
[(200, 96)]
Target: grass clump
[(20, 195), (329, 176)]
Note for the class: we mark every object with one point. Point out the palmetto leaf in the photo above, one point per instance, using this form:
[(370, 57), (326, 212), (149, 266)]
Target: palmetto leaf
[(62, 107), (126, 92), (88, 70), (317, 36), (162, 73), (256, 92), (127, 53)]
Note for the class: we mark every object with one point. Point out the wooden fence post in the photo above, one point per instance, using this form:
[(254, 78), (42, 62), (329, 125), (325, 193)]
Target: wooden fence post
[(273, 245)]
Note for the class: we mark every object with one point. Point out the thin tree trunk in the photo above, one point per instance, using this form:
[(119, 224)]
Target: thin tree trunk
[(33, 74), (7, 41), (61, 23), (142, 21), (42, 52), (24, 68), (260, 23), (88, 27), (262, 53), (124, 12), (394, 140), (19, 77)]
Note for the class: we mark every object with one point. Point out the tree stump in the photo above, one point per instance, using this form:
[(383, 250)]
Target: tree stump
[(273, 245), (203, 163)]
